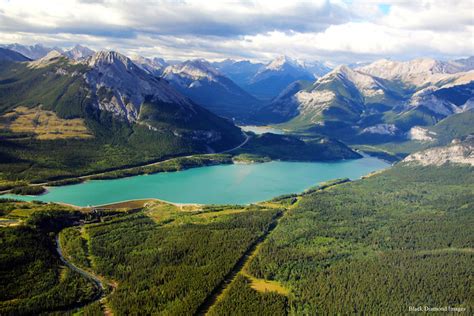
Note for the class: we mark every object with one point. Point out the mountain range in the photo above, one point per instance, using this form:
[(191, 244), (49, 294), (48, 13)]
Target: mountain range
[(239, 71), (238, 89), (242, 87), (10, 55), (204, 84), (274, 77), (38, 51), (382, 101), (153, 66), (78, 52), (31, 51), (105, 103)]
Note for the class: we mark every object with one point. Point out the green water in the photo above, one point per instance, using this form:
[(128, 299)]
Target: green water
[(224, 184)]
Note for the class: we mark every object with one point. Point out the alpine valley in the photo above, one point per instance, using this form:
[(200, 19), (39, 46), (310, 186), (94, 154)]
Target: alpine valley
[(342, 189)]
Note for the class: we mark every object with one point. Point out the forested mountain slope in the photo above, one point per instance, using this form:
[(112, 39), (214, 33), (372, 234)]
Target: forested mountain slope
[(379, 245), (62, 117)]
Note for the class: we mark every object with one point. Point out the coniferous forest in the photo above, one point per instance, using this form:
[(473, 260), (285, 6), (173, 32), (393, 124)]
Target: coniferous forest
[(393, 240), (236, 157)]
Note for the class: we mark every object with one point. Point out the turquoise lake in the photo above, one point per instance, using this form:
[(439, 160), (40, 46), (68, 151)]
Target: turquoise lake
[(223, 184)]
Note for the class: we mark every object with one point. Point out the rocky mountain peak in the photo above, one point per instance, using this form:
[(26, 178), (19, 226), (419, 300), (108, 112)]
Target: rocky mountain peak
[(79, 52), (201, 65), (110, 58), (153, 66), (159, 61), (404, 70), (33, 52), (368, 85), (195, 69), (466, 63), (52, 57), (282, 66), (127, 85), (280, 62), (343, 70)]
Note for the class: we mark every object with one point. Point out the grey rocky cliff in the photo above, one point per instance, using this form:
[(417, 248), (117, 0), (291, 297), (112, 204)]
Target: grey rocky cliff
[(122, 87), (457, 152)]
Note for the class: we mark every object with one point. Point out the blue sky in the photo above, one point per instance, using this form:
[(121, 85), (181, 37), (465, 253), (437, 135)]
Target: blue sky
[(385, 8), (340, 31)]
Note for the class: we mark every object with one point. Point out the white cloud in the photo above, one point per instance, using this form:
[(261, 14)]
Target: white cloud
[(439, 15), (364, 40), (336, 30)]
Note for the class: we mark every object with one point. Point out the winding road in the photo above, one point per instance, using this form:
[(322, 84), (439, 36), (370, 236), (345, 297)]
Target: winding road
[(247, 137), (91, 277)]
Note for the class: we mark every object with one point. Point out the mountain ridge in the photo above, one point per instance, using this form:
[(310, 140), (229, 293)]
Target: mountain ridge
[(79, 52), (128, 112), (204, 84), (10, 55), (275, 76), (350, 101)]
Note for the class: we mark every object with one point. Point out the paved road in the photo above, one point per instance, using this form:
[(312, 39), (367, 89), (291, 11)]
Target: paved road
[(98, 283), (247, 137)]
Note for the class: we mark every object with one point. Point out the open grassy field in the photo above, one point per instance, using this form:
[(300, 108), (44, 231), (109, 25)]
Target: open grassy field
[(43, 124), (262, 285)]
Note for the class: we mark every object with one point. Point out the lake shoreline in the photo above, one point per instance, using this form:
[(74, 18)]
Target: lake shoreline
[(183, 163), (216, 184), (178, 204)]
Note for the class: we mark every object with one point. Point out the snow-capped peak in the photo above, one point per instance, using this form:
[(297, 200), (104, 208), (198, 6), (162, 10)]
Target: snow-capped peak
[(389, 69), (317, 68), (153, 66), (418, 72), (279, 62), (196, 69), (79, 52), (33, 52)]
